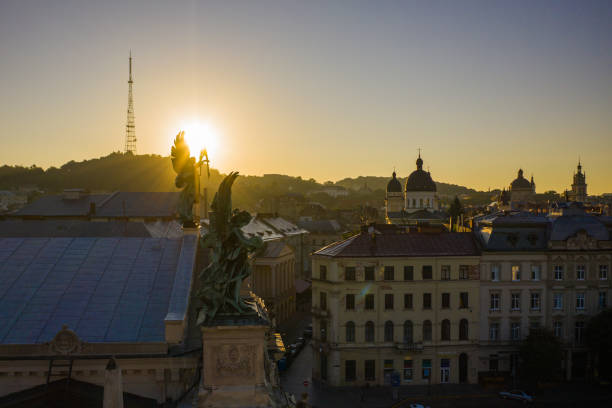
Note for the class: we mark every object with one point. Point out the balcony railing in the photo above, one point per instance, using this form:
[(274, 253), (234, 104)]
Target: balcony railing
[(318, 312), (415, 347)]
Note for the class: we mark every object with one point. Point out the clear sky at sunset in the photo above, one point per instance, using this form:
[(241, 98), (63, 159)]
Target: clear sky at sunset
[(323, 89)]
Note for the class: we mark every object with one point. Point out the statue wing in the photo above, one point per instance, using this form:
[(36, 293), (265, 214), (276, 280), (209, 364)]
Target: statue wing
[(179, 153), (222, 205)]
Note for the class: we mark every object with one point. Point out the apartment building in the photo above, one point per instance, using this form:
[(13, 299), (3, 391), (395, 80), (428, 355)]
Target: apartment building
[(387, 302)]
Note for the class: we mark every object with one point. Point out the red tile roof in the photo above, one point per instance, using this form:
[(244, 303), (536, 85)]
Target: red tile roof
[(414, 244)]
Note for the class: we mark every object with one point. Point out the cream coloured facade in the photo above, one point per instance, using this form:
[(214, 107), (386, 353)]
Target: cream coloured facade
[(416, 316)]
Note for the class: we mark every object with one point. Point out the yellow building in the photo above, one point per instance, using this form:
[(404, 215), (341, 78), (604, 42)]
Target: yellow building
[(386, 301)]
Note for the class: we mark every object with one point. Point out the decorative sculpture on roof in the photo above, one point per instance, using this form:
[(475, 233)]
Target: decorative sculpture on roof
[(186, 177), (222, 278)]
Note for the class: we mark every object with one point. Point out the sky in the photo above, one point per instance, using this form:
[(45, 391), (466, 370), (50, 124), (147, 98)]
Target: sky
[(321, 89)]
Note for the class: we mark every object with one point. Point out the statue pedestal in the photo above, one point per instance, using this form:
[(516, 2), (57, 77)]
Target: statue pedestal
[(234, 373)]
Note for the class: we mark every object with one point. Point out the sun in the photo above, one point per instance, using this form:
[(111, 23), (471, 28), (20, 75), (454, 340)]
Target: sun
[(201, 135)]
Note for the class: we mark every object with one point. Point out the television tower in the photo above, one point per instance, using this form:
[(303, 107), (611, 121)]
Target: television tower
[(130, 127)]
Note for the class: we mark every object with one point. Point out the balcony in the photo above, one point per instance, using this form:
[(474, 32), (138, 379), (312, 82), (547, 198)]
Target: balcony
[(414, 347), (320, 313)]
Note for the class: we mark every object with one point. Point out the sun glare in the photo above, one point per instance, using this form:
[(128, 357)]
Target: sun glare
[(201, 135)]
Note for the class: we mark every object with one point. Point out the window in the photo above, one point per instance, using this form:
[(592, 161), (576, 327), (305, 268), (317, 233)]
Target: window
[(369, 302), (558, 301), (407, 300), (426, 300), (388, 301), (323, 272), (426, 368), (558, 329), (494, 331), (350, 332), (515, 301), (558, 272), (350, 370), (463, 300), (323, 330), (350, 302), (388, 331), (349, 273), (427, 330), (494, 272), (579, 272), (579, 332), (445, 330), (369, 332), (579, 301), (515, 331), (603, 272), (407, 370), (535, 272), (463, 329), (408, 272), (387, 371), (389, 273), (445, 272), (516, 273), (535, 301), (323, 300), (444, 370), (493, 362), (408, 332), (323, 366), (603, 300), (464, 272), (427, 271), (494, 305), (445, 300), (369, 273), (370, 370)]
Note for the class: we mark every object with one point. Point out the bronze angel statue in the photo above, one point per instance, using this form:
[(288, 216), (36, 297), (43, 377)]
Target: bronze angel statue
[(185, 167), (222, 279)]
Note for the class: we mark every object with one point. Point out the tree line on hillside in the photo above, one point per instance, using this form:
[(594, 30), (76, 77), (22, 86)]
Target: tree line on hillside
[(126, 172)]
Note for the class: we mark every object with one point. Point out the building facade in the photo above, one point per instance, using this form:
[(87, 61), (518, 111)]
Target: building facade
[(541, 272), (579, 186), (390, 303)]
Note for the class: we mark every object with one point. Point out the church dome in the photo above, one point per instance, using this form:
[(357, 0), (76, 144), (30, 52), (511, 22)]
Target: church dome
[(394, 186), (420, 180), (520, 182)]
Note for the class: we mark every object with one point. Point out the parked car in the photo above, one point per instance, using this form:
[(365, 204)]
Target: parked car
[(308, 331), (301, 341), (418, 406), (517, 395)]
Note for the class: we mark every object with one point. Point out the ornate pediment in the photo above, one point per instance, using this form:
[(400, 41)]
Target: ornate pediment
[(65, 342), (581, 241)]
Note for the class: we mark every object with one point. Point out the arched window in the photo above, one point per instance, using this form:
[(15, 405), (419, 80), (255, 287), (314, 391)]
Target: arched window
[(445, 329), (427, 330), (369, 332), (408, 331), (413, 202), (388, 330), (420, 203), (463, 329), (350, 332)]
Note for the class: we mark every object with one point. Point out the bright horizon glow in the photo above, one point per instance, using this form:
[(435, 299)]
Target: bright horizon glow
[(201, 135)]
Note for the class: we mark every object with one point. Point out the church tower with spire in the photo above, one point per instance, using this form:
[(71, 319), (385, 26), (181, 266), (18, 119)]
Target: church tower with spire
[(579, 186)]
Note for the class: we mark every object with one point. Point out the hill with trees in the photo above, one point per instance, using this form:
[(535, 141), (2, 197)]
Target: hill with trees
[(127, 172)]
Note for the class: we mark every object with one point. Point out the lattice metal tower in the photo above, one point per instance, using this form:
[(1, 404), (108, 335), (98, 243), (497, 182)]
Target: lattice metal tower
[(130, 127)]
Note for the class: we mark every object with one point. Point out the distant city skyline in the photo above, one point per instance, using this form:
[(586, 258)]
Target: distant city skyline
[(319, 89)]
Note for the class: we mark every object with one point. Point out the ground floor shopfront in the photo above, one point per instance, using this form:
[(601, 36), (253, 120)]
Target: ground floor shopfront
[(381, 366)]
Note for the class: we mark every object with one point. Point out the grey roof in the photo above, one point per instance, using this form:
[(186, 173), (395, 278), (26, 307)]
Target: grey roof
[(117, 204), (72, 228), (321, 226), (568, 225), (105, 289), (273, 249), (140, 204), (58, 206)]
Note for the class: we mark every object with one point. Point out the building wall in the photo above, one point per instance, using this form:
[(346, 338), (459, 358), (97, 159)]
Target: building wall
[(418, 200), (335, 316), (274, 281)]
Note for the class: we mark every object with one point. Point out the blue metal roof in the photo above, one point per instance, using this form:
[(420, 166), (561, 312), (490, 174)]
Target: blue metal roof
[(105, 289)]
